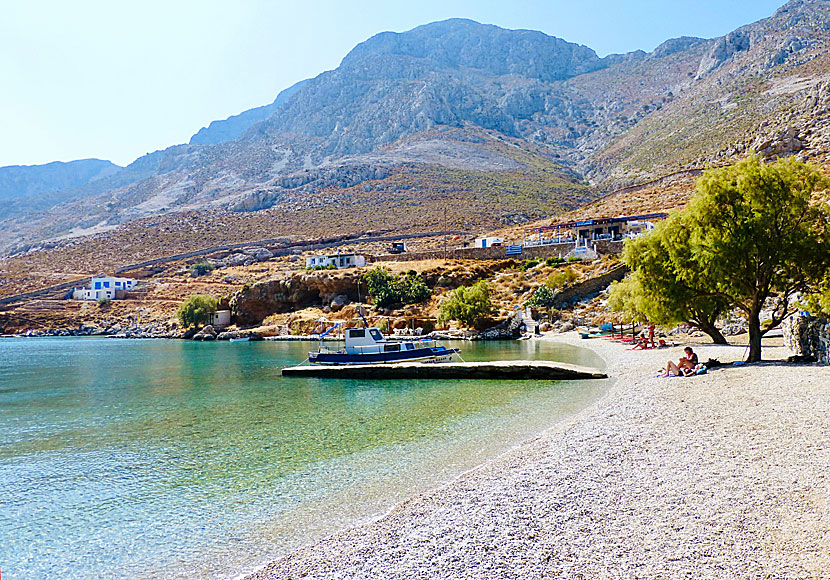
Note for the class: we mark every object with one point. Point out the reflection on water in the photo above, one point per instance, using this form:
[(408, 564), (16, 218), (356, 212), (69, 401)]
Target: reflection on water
[(178, 459)]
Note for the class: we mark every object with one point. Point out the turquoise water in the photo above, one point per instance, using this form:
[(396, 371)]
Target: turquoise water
[(174, 459)]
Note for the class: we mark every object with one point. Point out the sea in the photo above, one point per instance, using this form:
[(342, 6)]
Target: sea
[(177, 459)]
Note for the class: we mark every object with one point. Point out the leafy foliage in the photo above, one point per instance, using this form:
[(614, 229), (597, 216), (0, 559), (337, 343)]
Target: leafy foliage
[(817, 302), (196, 310), (528, 264), (750, 234), (554, 261), (201, 268), (545, 295), (389, 290), (467, 304), (322, 267), (665, 286)]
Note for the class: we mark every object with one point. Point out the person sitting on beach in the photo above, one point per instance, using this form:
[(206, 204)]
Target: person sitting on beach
[(684, 367)]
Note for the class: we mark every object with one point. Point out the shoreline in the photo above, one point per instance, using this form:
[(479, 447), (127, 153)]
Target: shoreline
[(710, 476)]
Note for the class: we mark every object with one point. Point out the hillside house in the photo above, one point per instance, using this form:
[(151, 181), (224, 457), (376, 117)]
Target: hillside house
[(104, 288), (336, 260), (596, 229), (487, 242)]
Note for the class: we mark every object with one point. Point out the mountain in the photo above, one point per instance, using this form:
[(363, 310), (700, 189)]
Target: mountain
[(232, 127), (20, 181), (500, 126)]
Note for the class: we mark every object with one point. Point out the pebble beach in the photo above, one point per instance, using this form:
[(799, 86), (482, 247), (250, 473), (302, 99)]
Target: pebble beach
[(722, 475)]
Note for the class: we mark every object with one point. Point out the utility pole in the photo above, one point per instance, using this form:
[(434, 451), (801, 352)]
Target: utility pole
[(445, 232)]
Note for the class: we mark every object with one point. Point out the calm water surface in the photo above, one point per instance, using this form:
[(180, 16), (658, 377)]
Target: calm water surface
[(174, 459)]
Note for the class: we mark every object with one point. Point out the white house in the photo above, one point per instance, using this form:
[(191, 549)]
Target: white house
[(220, 318), (103, 287), (336, 260), (487, 242)]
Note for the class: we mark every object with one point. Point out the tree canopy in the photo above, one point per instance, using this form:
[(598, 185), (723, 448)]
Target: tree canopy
[(387, 290), (196, 310), (467, 304), (750, 238)]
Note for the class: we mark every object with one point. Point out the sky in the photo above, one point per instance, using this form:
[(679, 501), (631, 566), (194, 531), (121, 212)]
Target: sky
[(113, 79)]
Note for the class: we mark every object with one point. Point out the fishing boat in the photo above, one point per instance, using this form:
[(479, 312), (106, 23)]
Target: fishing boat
[(368, 346)]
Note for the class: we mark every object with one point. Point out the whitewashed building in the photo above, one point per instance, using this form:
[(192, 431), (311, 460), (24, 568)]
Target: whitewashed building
[(103, 288), (336, 260), (487, 242), (220, 319)]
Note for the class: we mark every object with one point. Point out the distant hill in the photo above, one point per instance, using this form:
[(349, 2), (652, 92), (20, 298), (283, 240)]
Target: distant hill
[(20, 181), (501, 126)]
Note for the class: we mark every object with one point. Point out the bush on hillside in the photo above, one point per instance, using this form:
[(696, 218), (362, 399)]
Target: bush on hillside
[(467, 305), (201, 268), (196, 310)]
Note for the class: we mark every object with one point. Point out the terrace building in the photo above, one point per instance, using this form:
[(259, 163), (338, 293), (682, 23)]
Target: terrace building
[(104, 288)]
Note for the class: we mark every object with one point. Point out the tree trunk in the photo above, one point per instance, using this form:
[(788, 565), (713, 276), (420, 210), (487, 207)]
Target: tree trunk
[(713, 333), (754, 321)]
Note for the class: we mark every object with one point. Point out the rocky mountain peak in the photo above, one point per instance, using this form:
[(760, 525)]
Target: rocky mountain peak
[(459, 43)]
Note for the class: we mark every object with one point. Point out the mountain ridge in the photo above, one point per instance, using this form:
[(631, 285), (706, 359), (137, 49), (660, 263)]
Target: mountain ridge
[(390, 106)]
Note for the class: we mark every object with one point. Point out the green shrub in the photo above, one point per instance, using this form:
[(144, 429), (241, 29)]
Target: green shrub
[(554, 261), (544, 297), (560, 279), (322, 267), (528, 264), (467, 304), (104, 301), (388, 290), (573, 259), (196, 310), (201, 268)]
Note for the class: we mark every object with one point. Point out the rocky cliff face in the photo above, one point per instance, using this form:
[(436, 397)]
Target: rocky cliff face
[(252, 304)]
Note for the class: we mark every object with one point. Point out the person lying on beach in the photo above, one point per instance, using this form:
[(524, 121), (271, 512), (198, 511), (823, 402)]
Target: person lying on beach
[(686, 363)]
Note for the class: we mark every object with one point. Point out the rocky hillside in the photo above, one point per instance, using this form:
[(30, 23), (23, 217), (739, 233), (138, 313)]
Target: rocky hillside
[(496, 126)]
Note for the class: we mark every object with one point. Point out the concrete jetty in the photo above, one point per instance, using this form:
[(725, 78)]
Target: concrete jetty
[(505, 369)]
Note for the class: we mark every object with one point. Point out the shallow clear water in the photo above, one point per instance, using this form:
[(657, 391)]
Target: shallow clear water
[(174, 459)]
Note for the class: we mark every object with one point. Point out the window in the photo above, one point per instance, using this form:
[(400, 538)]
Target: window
[(375, 333), (410, 346), (97, 285), (357, 332), (106, 284), (391, 347), (117, 283)]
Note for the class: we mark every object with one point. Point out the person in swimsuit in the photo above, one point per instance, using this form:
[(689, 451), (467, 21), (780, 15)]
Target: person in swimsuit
[(684, 367)]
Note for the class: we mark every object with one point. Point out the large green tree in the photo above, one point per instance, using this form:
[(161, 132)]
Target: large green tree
[(750, 238), (666, 285)]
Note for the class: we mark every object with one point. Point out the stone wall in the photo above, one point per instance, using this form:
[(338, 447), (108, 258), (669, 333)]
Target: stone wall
[(497, 253), (808, 336)]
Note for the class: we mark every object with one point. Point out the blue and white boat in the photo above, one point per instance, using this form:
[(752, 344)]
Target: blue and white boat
[(368, 346)]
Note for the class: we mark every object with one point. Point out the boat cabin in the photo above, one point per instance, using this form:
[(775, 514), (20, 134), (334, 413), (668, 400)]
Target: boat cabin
[(370, 340)]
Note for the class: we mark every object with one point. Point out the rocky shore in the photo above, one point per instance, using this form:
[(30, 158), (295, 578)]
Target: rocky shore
[(722, 475)]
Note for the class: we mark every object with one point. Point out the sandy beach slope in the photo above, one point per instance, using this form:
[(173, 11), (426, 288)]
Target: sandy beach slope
[(724, 475)]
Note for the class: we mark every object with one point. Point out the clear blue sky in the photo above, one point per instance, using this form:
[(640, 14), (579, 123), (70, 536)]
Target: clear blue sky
[(115, 79)]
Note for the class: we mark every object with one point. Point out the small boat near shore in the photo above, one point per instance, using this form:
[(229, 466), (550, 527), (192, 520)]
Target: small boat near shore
[(368, 346)]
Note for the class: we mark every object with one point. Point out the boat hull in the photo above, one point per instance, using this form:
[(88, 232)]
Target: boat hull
[(428, 354)]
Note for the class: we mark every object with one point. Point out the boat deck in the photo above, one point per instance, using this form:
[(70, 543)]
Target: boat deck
[(508, 369)]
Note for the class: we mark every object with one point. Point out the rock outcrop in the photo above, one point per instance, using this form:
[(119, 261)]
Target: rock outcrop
[(252, 304)]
